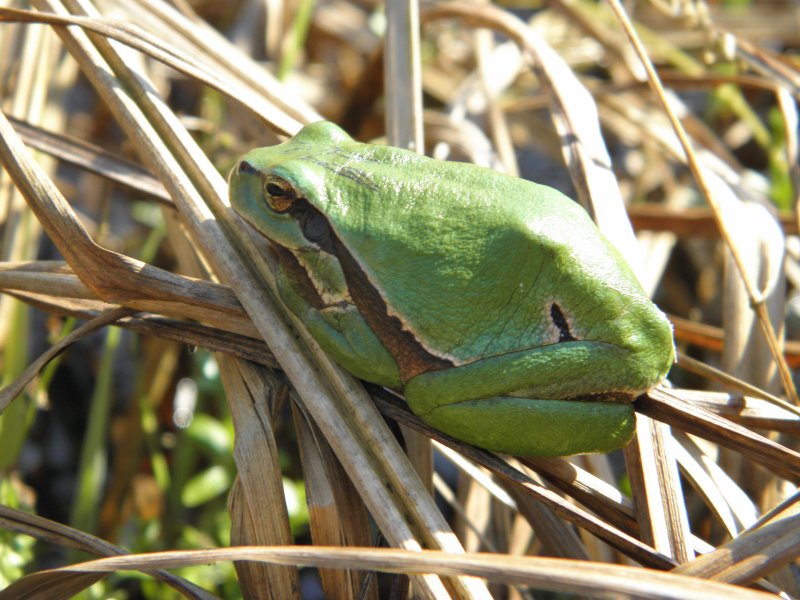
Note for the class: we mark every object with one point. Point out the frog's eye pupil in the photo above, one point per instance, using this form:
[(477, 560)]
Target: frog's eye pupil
[(273, 189)]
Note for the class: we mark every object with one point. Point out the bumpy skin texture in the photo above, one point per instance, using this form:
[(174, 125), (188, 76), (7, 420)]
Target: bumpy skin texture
[(507, 319)]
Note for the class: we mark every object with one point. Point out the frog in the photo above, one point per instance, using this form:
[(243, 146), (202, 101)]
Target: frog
[(492, 303)]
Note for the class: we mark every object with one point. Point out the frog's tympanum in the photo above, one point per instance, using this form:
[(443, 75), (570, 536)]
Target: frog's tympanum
[(492, 302)]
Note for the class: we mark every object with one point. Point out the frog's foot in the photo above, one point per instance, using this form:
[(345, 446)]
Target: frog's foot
[(529, 427)]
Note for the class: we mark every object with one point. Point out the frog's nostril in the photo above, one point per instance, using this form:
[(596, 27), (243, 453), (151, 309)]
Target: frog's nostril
[(246, 167)]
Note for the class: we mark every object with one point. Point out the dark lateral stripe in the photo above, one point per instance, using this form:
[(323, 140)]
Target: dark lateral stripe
[(412, 359)]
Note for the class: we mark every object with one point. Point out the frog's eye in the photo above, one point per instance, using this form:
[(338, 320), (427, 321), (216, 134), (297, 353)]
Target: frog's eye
[(278, 193)]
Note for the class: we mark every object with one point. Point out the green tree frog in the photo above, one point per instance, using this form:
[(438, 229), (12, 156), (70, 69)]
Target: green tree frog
[(493, 303)]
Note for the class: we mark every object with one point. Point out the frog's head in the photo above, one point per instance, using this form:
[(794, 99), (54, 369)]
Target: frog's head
[(293, 191), (277, 191)]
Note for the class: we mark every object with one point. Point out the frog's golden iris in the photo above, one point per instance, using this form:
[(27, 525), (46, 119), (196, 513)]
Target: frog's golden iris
[(279, 194)]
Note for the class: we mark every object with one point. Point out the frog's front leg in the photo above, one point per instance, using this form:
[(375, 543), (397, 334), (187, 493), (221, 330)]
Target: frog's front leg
[(337, 327), (555, 400)]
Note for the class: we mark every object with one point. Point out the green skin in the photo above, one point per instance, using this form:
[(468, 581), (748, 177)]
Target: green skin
[(494, 303)]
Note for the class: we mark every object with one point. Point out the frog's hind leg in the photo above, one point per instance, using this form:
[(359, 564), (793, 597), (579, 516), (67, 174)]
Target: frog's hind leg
[(529, 427), (556, 400)]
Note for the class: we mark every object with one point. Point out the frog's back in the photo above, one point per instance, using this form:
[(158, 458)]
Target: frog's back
[(475, 260)]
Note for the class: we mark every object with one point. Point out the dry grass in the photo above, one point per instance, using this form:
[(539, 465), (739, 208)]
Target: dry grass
[(684, 125)]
